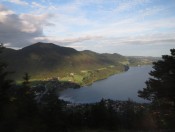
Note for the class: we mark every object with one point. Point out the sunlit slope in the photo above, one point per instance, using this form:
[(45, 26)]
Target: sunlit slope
[(46, 60)]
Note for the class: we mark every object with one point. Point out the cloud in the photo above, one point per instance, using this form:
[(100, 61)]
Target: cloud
[(151, 11), (147, 42), (19, 2), (67, 41), (72, 18), (108, 44), (20, 30), (152, 39), (128, 5), (35, 4)]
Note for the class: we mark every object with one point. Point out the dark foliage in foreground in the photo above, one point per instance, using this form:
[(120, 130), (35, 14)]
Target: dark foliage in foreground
[(161, 90)]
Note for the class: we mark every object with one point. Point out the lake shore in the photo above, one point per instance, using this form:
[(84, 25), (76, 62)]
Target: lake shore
[(117, 87)]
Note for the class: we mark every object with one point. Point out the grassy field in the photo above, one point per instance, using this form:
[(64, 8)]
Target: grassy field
[(86, 77)]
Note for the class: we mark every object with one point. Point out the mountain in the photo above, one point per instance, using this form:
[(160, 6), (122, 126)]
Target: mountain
[(45, 60)]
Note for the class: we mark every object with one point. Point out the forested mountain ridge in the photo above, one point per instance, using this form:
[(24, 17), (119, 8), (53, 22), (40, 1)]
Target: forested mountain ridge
[(47, 60)]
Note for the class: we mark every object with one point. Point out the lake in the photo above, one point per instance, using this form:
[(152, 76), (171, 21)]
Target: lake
[(121, 86)]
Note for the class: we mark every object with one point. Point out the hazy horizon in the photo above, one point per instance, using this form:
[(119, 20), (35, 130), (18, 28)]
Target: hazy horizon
[(87, 50)]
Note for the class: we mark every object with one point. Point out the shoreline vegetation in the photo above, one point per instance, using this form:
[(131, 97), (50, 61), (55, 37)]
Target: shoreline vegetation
[(75, 80), (41, 87), (85, 78)]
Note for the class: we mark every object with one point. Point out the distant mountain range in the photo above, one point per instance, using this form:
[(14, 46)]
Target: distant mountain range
[(46, 60)]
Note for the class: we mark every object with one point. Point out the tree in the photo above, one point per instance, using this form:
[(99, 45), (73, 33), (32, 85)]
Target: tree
[(26, 79), (160, 88), (162, 85), (25, 98), (5, 84), (26, 107), (5, 96)]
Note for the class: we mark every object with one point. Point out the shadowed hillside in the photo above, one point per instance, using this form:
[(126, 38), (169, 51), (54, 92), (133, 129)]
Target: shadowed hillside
[(46, 60)]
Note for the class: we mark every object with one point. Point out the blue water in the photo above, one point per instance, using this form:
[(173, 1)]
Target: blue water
[(121, 86)]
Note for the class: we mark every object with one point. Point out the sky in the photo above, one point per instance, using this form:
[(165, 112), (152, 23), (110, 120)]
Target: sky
[(127, 27)]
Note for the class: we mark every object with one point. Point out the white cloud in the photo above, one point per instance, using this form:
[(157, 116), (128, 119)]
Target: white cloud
[(71, 15), (20, 30), (67, 41), (37, 5), (19, 2), (128, 5), (151, 11), (143, 40)]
